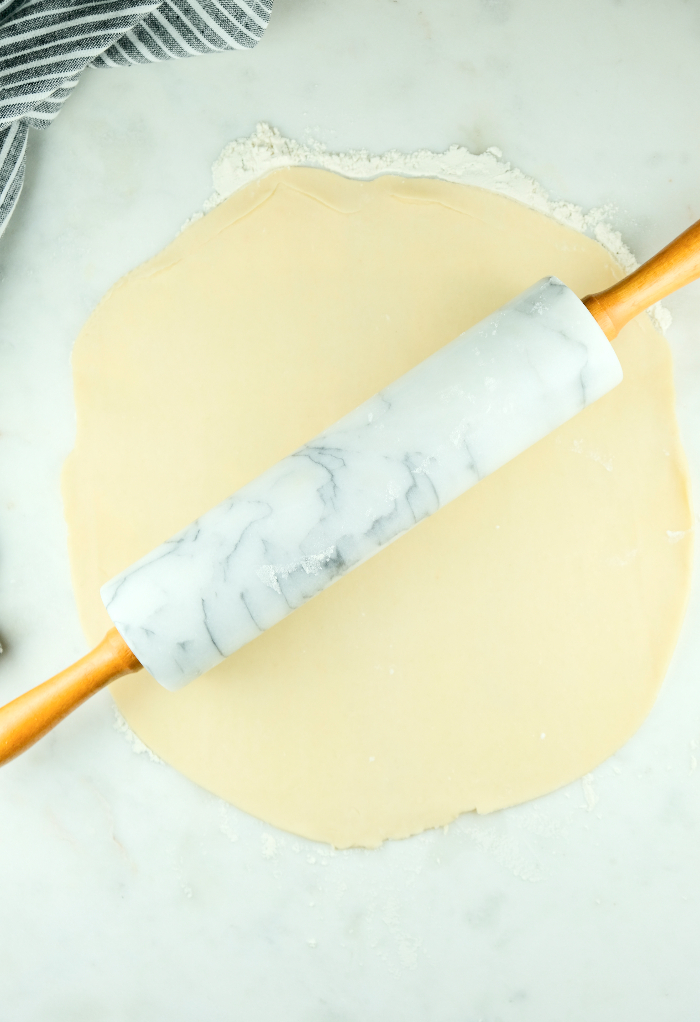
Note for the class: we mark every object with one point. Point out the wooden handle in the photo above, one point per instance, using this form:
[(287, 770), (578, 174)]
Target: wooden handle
[(674, 267), (29, 717)]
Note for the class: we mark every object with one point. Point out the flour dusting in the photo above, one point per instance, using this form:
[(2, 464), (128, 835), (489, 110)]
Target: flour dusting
[(247, 159), (134, 741), (589, 792), (676, 537), (313, 564)]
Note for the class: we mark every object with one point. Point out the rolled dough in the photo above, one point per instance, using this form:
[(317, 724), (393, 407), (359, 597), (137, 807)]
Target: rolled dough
[(502, 648)]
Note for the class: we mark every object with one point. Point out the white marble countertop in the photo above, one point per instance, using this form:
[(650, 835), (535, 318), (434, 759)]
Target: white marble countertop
[(125, 891)]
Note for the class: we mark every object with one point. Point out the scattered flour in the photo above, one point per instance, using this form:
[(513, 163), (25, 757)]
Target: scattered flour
[(508, 849), (246, 159), (270, 574), (134, 741), (623, 560), (589, 792), (225, 825), (578, 448), (269, 846), (676, 537)]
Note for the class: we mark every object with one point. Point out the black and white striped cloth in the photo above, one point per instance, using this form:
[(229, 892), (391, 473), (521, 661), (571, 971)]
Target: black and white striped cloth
[(46, 44)]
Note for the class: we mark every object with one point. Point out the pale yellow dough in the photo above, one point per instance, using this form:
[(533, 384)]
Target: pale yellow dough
[(503, 647)]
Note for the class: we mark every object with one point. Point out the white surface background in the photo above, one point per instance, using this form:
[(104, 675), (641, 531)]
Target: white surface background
[(125, 891)]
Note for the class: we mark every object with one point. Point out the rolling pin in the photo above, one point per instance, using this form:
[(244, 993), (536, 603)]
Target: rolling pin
[(425, 439)]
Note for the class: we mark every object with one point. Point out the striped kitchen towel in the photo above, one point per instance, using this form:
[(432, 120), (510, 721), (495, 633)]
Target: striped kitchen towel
[(46, 44)]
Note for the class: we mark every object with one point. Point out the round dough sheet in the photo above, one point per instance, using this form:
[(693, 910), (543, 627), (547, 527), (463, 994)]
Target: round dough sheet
[(503, 647)]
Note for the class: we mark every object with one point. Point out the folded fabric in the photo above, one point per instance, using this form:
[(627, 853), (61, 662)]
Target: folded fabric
[(46, 44)]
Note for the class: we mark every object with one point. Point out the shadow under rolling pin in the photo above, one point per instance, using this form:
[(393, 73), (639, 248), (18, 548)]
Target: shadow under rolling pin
[(422, 441)]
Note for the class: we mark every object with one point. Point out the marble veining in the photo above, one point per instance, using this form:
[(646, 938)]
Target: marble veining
[(398, 458)]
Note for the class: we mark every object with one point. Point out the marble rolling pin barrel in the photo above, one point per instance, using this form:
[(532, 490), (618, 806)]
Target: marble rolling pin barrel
[(424, 440)]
